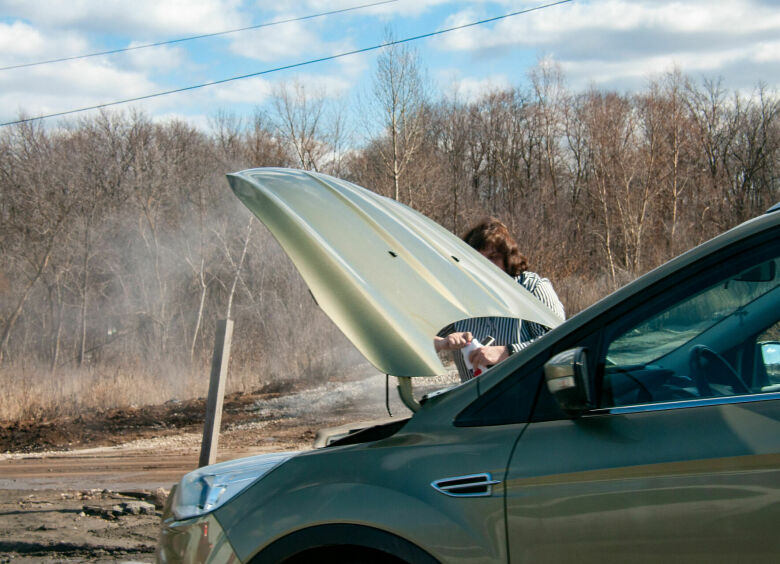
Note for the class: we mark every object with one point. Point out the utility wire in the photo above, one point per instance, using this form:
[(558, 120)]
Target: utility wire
[(170, 41), (287, 67)]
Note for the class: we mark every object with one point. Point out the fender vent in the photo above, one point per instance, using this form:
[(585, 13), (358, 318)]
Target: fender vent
[(473, 485)]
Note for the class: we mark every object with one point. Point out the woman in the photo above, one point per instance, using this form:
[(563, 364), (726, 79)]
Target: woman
[(492, 239)]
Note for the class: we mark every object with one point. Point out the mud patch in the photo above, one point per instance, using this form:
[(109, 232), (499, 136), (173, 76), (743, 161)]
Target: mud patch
[(52, 526), (119, 426)]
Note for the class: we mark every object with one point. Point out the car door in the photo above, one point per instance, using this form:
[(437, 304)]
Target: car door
[(680, 462)]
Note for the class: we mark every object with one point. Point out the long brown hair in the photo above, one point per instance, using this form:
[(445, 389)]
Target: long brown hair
[(491, 232)]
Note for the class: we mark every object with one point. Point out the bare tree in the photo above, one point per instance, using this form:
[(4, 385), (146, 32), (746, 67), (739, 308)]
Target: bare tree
[(299, 121), (667, 100), (35, 209), (227, 132), (754, 153), (339, 138), (550, 95), (261, 147), (713, 136), (453, 130), (399, 95)]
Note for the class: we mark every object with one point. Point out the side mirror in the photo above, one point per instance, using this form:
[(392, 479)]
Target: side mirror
[(568, 380), (770, 354)]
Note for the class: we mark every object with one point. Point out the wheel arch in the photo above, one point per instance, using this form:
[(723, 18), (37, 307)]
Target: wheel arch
[(346, 535)]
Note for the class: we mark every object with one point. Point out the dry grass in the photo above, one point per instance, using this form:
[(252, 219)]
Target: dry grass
[(578, 293), (36, 394), (30, 393)]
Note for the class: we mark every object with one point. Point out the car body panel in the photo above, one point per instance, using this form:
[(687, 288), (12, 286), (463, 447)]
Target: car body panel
[(389, 277), (395, 474), (700, 481)]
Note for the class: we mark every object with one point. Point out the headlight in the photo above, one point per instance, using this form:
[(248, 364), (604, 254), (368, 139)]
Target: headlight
[(205, 489)]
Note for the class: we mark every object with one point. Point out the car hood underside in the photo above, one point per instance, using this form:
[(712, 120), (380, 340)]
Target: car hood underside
[(389, 277)]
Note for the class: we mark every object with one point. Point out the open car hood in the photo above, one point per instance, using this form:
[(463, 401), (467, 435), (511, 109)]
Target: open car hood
[(388, 277)]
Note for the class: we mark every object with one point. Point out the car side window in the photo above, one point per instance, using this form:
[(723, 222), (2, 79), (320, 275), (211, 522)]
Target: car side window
[(720, 340)]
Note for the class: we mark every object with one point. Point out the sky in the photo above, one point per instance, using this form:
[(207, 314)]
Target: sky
[(607, 44)]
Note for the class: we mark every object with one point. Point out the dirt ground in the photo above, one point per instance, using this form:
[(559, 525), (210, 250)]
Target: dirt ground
[(90, 489)]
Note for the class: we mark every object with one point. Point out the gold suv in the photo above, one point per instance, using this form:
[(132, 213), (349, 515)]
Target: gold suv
[(644, 429)]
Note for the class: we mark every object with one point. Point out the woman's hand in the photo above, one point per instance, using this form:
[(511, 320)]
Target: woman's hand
[(488, 356), (453, 341)]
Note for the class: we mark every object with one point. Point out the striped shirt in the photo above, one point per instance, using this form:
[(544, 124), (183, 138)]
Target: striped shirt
[(507, 331)]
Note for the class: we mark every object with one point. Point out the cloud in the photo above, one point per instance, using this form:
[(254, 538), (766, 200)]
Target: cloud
[(22, 43), (284, 42), (249, 91), (67, 86), (71, 84), (355, 65), (610, 43), (398, 8), (326, 86), (139, 19), (583, 23), (158, 58), (606, 39), (768, 51), (197, 121), (741, 68), (81, 83), (467, 89)]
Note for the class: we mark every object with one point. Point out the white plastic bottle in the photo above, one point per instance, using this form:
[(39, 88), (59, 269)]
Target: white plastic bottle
[(466, 351)]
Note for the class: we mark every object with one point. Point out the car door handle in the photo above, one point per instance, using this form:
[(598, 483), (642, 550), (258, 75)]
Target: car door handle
[(473, 485)]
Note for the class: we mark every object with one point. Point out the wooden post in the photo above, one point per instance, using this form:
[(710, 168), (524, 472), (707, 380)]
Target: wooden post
[(219, 366)]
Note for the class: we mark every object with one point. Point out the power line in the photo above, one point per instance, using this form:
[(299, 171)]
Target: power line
[(170, 41), (287, 67)]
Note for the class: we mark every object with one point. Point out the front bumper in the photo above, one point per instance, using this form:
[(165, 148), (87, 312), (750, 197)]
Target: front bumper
[(193, 540)]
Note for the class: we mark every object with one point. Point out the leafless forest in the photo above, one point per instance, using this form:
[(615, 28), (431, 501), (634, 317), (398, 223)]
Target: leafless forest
[(121, 244)]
